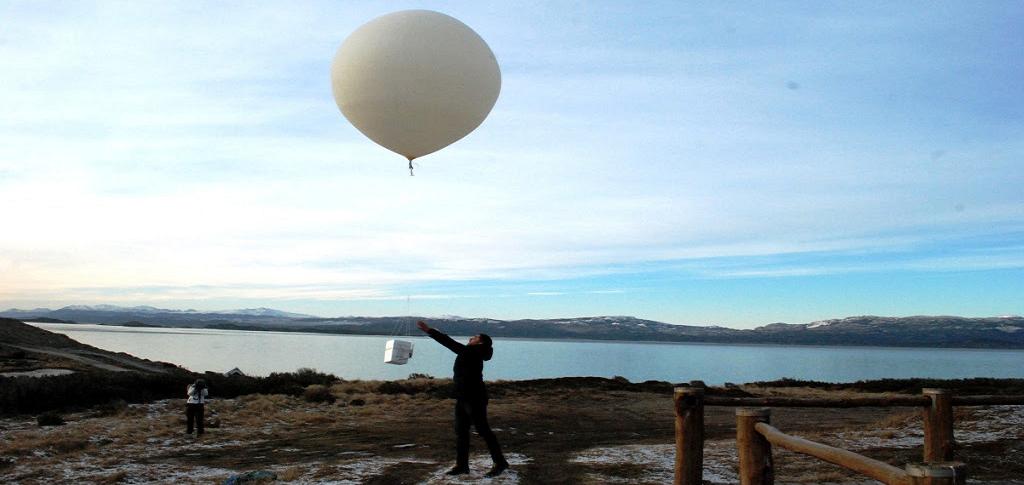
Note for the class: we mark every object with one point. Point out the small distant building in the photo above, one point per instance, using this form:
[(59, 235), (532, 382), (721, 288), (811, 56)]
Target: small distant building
[(236, 372)]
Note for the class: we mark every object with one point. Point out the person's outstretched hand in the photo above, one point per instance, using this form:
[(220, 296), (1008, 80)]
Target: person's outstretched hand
[(423, 326)]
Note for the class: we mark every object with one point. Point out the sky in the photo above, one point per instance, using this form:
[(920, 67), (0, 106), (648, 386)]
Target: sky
[(707, 163)]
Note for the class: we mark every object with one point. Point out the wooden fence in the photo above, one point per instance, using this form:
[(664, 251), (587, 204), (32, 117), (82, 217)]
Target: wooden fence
[(755, 436)]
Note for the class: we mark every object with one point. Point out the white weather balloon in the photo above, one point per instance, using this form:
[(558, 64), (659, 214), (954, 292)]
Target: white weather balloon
[(415, 81)]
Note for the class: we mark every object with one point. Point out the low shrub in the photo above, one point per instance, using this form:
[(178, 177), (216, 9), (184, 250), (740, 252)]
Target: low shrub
[(430, 387), (964, 387), (70, 444), (318, 393), (112, 391), (114, 407), (49, 418), (25, 394)]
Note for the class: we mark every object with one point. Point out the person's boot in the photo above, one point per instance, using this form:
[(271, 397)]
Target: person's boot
[(458, 470), (498, 469)]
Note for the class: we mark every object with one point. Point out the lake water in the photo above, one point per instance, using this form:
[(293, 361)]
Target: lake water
[(362, 357)]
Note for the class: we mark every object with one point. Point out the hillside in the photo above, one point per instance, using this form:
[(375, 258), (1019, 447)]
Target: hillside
[(15, 333), (29, 351), (916, 331)]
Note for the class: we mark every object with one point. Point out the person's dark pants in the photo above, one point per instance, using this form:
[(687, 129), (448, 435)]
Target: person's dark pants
[(473, 411), (194, 414)]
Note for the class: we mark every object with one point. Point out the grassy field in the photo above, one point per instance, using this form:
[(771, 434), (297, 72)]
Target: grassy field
[(572, 430)]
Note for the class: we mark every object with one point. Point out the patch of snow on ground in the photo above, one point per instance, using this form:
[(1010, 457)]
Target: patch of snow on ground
[(478, 466), (659, 462), (982, 425), (359, 470), (991, 424), (200, 445), (901, 438), (16, 424), (720, 461), (87, 471), (38, 373)]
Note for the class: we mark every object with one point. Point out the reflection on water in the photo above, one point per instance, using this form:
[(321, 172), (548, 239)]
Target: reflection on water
[(362, 357)]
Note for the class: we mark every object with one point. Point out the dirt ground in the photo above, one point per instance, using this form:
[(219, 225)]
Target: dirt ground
[(551, 434)]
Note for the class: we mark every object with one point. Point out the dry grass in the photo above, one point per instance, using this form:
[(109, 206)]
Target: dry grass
[(900, 419), (318, 393), (437, 388), (813, 393), (820, 476), (26, 443), (312, 417), (324, 471), (304, 441), (255, 410), (794, 467), (963, 413), (354, 387), (110, 461), (263, 403), (116, 477), (115, 407), (290, 474)]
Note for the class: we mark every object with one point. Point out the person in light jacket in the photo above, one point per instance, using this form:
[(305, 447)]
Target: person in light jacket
[(197, 394), (470, 398)]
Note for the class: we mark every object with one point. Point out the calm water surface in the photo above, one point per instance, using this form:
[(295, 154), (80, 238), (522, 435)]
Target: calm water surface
[(362, 357)]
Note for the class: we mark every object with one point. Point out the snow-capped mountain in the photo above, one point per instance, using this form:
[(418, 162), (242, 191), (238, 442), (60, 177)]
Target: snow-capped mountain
[(916, 331), (263, 312)]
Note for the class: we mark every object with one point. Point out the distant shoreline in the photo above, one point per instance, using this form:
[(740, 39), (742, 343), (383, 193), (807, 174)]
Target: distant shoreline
[(547, 339), (872, 331)]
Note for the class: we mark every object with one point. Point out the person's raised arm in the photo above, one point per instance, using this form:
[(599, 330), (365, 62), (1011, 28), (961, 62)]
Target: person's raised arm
[(441, 337)]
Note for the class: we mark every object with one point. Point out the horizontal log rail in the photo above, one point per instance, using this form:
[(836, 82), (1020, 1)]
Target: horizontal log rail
[(878, 470), (988, 400), (796, 402), (857, 402)]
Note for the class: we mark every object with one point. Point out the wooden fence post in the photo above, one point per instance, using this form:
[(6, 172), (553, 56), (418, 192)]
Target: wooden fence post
[(755, 453), (689, 404), (937, 473), (938, 426)]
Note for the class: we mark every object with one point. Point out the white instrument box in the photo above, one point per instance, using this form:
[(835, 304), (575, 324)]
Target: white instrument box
[(397, 352)]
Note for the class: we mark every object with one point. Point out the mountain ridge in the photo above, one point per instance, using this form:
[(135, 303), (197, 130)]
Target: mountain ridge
[(1005, 331)]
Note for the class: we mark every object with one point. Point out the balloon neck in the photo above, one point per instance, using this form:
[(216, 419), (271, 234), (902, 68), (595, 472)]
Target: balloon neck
[(410, 167)]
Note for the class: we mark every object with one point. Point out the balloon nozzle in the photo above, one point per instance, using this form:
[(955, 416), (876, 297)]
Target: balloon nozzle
[(410, 169)]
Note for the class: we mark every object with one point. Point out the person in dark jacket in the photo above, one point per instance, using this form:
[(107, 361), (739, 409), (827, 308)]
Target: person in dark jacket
[(470, 398)]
